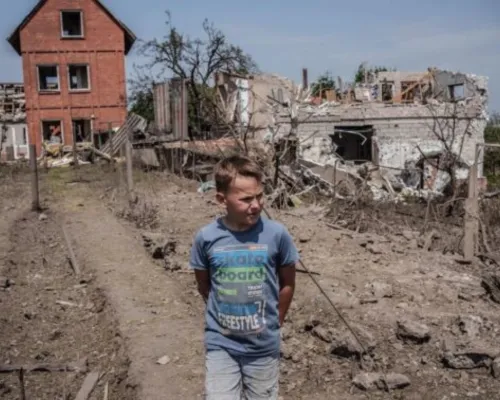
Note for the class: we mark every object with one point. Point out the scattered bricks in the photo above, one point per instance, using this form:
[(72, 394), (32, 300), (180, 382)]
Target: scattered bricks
[(410, 331)]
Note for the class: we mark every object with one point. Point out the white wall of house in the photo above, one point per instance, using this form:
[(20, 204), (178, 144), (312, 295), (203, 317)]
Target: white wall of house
[(16, 135)]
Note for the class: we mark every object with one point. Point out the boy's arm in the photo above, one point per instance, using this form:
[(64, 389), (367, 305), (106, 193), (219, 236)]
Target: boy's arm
[(289, 256), (286, 276), (199, 262), (203, 281)]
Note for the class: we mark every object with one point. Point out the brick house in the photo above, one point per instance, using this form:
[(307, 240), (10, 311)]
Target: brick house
[(73, 55)]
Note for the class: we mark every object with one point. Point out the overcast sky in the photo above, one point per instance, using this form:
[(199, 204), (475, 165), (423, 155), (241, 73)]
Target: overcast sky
[(284, 36)]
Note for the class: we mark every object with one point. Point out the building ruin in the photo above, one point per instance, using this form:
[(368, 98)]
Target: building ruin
[(13, 129), (419, 130)]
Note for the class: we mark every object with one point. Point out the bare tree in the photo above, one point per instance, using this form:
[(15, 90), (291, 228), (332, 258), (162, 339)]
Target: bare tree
[(451, 126), (194, 60)]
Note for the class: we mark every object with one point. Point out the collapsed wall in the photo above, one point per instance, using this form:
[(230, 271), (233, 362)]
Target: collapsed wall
[(400, 136)]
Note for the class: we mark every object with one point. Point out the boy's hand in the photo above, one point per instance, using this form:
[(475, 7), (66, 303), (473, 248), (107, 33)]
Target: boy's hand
[(203, 281), (286, 275)]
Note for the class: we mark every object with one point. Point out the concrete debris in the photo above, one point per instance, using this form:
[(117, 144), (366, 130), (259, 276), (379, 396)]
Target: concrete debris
[(381, 290), (370, 381), (161, 249), (410, 331), (344, 344), (495, 368), (322, 333), (470, 325), (491, 283), (5, 283), (163, 360), (157, 245), (469, 358)]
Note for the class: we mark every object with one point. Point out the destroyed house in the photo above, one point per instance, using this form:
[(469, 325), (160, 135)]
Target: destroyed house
[(74, 70), (13, 129), (407, 126)]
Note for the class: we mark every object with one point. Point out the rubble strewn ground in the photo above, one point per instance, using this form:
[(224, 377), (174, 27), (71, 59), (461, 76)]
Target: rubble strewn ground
[(427, 323)]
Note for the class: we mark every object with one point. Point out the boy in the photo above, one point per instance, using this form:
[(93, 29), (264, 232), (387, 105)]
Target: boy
[(245, 271)]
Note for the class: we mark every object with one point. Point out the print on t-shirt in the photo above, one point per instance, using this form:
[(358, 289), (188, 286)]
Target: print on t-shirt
[(240, 299)]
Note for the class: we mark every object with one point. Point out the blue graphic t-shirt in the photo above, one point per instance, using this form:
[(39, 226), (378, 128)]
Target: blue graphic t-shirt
[(242, 314)]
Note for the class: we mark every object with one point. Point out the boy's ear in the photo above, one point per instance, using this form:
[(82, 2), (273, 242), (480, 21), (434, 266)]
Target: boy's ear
[(221, 199)]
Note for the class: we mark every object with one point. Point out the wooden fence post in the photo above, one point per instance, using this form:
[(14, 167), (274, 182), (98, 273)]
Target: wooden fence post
[(110, 134), (130, 180), (35, 204), (121, 176), (471, 217)]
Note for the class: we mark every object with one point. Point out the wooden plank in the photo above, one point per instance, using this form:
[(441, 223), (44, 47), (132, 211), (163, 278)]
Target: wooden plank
[(88, 386), (73, 260)]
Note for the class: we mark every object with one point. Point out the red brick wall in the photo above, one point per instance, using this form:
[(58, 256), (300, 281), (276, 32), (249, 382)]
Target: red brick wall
[(102, 48)]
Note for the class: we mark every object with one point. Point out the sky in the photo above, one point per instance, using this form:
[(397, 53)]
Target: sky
[(284, 36)]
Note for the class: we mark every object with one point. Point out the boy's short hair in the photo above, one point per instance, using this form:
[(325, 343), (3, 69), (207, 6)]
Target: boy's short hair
[(227, 169)]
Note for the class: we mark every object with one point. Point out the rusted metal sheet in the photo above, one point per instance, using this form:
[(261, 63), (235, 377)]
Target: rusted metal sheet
[(161, 100)]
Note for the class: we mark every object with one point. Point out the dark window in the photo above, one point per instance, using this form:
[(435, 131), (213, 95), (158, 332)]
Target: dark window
[(81, 130), (48, 78), (52, 131), (354, 143), (79, 77), (71, 24)]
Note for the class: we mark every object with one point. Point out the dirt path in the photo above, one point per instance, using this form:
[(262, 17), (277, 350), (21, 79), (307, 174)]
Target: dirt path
[(155, 316), (377, 281)]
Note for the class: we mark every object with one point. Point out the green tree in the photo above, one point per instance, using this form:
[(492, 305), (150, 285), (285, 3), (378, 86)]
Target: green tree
[(368, 73), (142, 104), (194, 60), (324, 82)]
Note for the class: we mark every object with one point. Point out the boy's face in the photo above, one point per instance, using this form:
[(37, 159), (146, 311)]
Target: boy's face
[(243, 201)]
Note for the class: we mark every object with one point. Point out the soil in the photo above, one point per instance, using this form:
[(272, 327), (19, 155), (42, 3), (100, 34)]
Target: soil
[(133, 307)]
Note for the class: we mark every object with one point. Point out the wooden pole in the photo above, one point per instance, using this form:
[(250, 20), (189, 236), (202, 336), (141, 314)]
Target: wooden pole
[(130, 181), (21, 383), (194, 165), (471, 223), (110, 133), (35, 196), (75, 158), (471, 218), (121, 176)]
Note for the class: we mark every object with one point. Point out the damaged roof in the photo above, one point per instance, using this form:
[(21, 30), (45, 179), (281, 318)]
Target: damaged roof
[(15, 37)]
